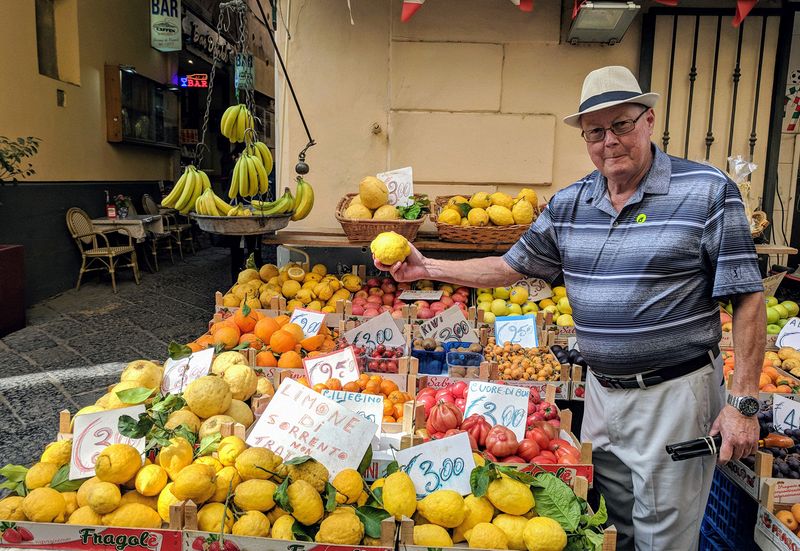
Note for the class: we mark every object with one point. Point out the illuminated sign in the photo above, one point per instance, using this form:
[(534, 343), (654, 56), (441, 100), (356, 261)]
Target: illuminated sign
[(197, 80)]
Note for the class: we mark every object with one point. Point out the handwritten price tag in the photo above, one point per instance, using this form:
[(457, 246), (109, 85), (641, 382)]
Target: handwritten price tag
[(789, 335), (785, 413), (299, 421), (450, 325), (309, 320), (93, 432), (443, 464), (379, 330), (538, 289), (339, 365), (499, 404), (178, 374), (516, 330), (400, 184), (368, 406), (420, 295), (772, 283)]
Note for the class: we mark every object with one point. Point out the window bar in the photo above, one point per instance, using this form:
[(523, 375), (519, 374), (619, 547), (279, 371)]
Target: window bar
[(692, 78), (665, 137), (737, 73), (710, 131), (758, 86)]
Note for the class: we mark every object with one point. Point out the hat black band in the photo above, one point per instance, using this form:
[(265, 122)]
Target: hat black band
[(606, 97)]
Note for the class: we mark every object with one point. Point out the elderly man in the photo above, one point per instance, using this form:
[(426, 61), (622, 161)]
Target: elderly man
[(647, 243)]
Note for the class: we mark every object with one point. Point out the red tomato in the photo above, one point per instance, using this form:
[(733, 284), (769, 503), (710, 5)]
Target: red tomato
[(514, 459), (540, 437), (528, 449), (446, 395), (557, 443), (569, 459), (459, 389)]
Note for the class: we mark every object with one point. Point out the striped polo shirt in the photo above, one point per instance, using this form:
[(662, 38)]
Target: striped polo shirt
[(643, 282)]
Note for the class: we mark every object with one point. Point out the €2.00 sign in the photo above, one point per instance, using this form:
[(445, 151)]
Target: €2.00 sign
[(450, 325), (499, 404), (93, 432)]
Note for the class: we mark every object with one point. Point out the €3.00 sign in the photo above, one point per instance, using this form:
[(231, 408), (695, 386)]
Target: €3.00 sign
[(179, 373), (379, 330), (499, 404), (516, 330), (299, 421), (443, 464), (93, 432), (309, 320), (400, 185), (450, 325), (336, 365)]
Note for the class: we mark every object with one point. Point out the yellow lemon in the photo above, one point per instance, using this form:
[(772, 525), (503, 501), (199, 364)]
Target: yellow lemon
[(305, 502), (11, 508), (133, 515), (82, 497), (500, 216), (40, 475), (242, 380), (487, 536), (444, 508), (510, 496), (143, 372), (373, 192), (522, 212), (227, 481), (399, 495), (252, 523), (431, 535), (529, 195), (479, 509), (340, 529), (478, 217), (195, 482), (255, 495), (165, 499), (480, 200), (256, 462), (386, 212), (348, 484), (513, 527), (208, 396), (267, 272), (227, 359), (282, 528), (135, 497), (357, 211), (544, 534), (118, 463), (104, 497), (450, 216), (43, 505), (229, 449), (390, 247), (183, 416), (290, 288), (501, 199), (85, 516), (150, 480), (176, 456), (210, 518), (57, 452)]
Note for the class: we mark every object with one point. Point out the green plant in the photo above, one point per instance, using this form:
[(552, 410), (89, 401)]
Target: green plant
[(13, 154)]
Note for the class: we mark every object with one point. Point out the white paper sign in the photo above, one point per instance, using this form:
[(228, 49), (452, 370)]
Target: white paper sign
[(443, 464), (336, 365), (499, 404), (450, 325), (299, 421), (93, 432), (378, 330), (516, 330), (310, 320), (789, 335), (165, 25), (400, 184), (420, 295), (179, 373), (785, 413), (538, 289), (368, 406)]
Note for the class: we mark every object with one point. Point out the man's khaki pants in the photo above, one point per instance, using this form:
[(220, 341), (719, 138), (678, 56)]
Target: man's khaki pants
[(656, 504)]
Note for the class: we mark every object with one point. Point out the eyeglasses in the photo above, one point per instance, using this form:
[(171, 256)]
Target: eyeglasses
[(618, 128)]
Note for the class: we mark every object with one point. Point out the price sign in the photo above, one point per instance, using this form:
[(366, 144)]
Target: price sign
[(400, 184), (450, 325), (379, 330), (179, 373), (516, 330), (789, 335), (443, 464), (93, 432), (499, 404), (538, 289), (420, 295), (336, 365), (772, 283), (309, 320), (298, 421), (785, 413), (368, 406)]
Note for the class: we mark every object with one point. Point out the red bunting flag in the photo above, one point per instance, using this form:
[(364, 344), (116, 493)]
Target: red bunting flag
[(524, 5), (410, 7), (743, 7)]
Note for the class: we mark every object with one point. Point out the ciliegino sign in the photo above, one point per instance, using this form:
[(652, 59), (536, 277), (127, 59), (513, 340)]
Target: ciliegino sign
[(165, 25), (299, 421), (449, 326)]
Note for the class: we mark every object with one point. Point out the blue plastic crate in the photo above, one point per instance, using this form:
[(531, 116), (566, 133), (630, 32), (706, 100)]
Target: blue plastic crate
[(731, 513), (430, 363), (710, 540)]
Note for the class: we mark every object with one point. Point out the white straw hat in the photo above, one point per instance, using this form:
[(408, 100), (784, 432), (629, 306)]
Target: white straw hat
[(607, 87)]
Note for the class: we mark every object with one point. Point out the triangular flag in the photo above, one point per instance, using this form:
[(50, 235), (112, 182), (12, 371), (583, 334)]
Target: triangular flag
[(524, 5), (671, 3), (410, 7), (743, 7)]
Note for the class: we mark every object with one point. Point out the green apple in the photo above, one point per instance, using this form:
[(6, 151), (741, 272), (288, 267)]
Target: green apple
[(488, 317), (514, 309), (518, 295), (784, 313), (772, 315), (499, 307), (502, 292), (563, 306), (773, 329), (772, 301), (791, 307), (482, 290), (529, 307), (546, 302), (485, 306), (485, 297), (783, 322), (729, 308)]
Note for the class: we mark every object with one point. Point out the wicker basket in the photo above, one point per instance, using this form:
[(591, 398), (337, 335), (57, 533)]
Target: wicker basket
[(758, 223), (367, 230), (241, 225), (476, 234)]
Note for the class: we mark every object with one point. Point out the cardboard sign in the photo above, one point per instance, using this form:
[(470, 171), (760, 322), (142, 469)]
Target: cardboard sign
[(785, 413), (443, 464), (499, 404), (378, 330), (772, 283), (309, 320), (400, 184), (450, 325), (789, 335), (336, 365), (93, 432), (538, 289), (516, 330), (299, 421), (420, 295), (179, 373), (368, 406)]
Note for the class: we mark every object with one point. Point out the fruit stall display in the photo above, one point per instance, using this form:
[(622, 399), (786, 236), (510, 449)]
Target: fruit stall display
[(778, 315), (776, 371), (485, 217)]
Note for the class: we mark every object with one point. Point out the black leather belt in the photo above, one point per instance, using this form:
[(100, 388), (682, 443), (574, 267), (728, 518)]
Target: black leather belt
[(646, 380)]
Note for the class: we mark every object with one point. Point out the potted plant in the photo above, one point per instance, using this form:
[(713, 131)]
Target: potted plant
[(13, 155), (123, 203)]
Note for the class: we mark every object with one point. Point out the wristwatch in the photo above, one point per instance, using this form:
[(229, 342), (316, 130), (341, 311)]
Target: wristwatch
[(747, 405)]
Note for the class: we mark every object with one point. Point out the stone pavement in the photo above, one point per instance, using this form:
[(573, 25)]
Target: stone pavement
[(77, 343)]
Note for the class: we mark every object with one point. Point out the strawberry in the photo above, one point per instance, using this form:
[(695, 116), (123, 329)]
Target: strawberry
[(25, 533), (11, 535)]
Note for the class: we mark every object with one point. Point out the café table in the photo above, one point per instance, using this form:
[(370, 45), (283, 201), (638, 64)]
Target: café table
[(140, 227)]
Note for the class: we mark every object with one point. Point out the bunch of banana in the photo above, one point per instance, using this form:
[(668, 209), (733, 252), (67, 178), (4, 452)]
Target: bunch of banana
[(235, 120), (304, 199), (260, 150), (187, 189), (239, 210), (249, 177), (281, 206), (210, 204)]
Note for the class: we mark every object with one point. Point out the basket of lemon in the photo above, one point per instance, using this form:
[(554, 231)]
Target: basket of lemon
[(484, 218)]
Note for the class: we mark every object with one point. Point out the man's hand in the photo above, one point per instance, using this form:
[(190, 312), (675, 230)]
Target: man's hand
[(411, 269), (739, 434)]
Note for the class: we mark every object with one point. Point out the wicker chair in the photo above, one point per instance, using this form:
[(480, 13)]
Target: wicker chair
[(156, 239), (180, 231), (95, 247)]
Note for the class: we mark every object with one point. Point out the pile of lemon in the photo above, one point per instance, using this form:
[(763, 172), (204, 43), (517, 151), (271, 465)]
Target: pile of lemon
[(495, 209)]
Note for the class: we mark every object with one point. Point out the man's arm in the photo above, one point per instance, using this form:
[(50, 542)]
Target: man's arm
[(491, 271), (740, 433)]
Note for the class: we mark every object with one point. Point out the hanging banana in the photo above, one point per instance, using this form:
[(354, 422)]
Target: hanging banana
[(304, 201), (235, 120)]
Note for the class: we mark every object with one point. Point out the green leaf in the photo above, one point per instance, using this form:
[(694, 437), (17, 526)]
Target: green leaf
[(463, 209), (61, 481), (595, 540), (511, 472), (366, 461), (281, 496), (375, 497), (391, 468), (14, 473), (330, 497), (208, 444), (169, 403), (304, 533), (601, 516), (244, 346), (246, 309), (251, 262), (371, 518), (219, 348), (479, 479), (130, 427), (419, 206), (298, 460), (556, 500), (178, 351), (135, 395)]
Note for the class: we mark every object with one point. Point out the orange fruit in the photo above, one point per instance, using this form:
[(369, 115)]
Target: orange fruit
[(319, 387), (373, 387), (770, 371), (290, 359), (259, 316), (785, 389), (252, 340), (388, 419), (796, 511), (303, 381), (363, 379), (282, 341), (222, 324), (245, 323), (334, 384), (295, 330), (388, 407), (352, 386), (266, 359), (397, 397), (397, 411), (311, 344), (194, 346), (387, 387), (376, 378), (228, 336), (768, 388), (764, 379), (282, 320), (264, 328)]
